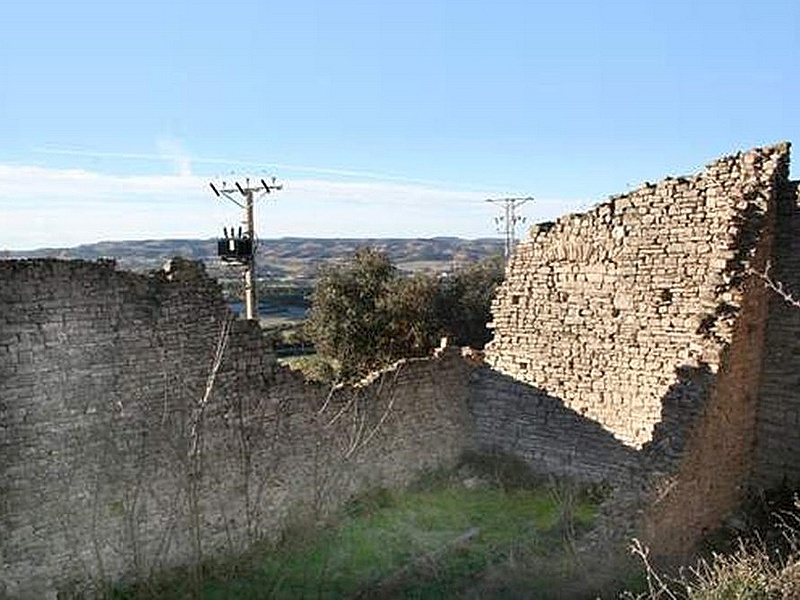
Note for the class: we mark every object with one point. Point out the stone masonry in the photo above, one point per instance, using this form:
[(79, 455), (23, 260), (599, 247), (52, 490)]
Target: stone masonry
[(141, 427), (778, 425), (599, 309), (645, 315)]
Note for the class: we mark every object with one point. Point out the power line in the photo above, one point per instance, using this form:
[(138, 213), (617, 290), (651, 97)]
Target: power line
[(240, 248), (507, 222)]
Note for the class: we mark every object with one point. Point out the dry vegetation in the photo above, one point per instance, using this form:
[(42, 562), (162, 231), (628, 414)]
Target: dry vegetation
[(762, 563)]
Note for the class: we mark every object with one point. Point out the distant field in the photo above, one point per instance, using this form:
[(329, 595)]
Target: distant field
[(425, 266)]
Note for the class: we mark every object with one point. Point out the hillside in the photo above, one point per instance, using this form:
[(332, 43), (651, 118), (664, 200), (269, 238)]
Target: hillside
[(286, 260)]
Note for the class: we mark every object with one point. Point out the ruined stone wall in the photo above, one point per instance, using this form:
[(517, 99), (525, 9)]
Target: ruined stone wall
[(709, 480), (600, 309), (141, 427), (644, 316)]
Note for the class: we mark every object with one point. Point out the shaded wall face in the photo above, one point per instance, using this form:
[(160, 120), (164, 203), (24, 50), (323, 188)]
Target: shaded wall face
[(601, 309), (709, 481), (778, 432), (98, 378), (515, 418), (141, 428)]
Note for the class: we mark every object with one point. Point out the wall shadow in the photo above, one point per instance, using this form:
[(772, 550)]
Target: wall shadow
[(516, 418), (681, 407), (778, 420), (526, 421), (554, 440)]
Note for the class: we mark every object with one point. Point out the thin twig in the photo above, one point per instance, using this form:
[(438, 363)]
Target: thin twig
[(385, 414), (325, 404), (775, 285), (655, 584), (195, 430), (343, 409)]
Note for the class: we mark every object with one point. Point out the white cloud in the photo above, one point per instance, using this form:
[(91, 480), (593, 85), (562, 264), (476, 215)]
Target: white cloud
[(51, 207), (171, 148)]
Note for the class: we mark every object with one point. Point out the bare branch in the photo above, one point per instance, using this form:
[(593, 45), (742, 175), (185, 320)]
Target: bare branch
[(775, 285)]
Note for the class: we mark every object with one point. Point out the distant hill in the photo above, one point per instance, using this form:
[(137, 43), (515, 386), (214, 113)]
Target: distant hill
[(294, 260)]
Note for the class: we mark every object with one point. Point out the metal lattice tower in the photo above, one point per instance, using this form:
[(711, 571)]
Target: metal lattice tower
[(507, 222)]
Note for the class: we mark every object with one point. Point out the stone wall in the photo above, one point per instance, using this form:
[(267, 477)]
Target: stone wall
[(644, 316), (515, 418), (142, 427), (709, 480), (600, 309)]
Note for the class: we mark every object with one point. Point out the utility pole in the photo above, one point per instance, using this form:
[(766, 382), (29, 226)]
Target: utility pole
[(242, 249), (507, 222)]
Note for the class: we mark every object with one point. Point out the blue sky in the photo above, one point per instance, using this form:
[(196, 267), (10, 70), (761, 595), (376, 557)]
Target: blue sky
[(381, 118)]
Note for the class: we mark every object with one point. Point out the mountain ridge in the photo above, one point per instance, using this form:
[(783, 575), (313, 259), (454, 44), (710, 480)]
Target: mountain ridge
[(281, 259)]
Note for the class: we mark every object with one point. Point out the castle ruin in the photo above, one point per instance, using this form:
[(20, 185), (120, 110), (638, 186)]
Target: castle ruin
[(141, 427)]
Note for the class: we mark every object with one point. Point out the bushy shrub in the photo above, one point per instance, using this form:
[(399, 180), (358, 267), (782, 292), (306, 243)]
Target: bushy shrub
[(366, 314)]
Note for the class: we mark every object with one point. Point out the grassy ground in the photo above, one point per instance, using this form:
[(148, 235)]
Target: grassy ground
[(452, 535), (486, 530)]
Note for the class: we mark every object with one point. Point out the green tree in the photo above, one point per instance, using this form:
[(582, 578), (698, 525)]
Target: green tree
[(365, 313), (465, 300), (413, 322), (346, 321)]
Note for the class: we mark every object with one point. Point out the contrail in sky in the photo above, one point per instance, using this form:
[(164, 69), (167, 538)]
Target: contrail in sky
[(239, 163)]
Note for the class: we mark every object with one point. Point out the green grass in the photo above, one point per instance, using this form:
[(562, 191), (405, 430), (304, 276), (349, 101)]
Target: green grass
[(399, 544)]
